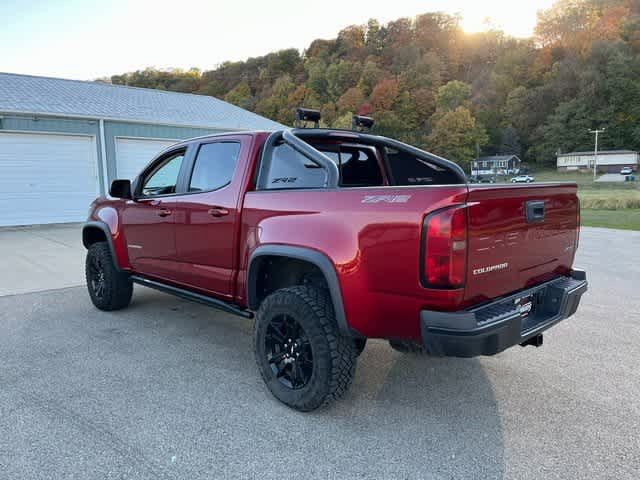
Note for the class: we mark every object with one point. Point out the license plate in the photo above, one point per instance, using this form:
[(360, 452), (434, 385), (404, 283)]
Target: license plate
[(524, 305)]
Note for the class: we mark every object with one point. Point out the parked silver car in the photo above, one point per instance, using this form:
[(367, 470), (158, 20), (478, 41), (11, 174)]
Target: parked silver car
[(522, 179)]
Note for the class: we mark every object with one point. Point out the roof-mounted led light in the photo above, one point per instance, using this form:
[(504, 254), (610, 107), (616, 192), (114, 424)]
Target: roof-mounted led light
[(304, 115), (361, 123)]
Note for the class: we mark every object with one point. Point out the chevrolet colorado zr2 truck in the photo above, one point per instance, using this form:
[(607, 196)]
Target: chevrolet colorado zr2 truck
[(327, 238)]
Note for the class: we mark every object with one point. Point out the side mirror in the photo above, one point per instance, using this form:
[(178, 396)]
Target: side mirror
[(121, 189)]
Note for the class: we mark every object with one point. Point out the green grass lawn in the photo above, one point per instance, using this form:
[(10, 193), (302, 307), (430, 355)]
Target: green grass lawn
[(603, 204), (628, 219), (607, 205), (597, 195)]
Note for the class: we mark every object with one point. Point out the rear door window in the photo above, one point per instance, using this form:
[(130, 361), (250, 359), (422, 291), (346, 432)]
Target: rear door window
[(214, 166)]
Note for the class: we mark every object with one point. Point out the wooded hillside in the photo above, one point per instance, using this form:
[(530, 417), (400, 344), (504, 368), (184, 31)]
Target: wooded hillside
[(427, 82)]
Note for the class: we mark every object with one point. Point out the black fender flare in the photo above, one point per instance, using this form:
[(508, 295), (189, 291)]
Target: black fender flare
[(107, 233), (324, 264)]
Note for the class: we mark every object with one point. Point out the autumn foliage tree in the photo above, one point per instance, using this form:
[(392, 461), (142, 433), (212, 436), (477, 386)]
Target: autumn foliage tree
[(351, 100), (427, 82), (455, 133), (384, 94)]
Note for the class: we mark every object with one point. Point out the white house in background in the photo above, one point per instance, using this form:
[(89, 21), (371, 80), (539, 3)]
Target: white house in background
[(496, 165), (609, 161)]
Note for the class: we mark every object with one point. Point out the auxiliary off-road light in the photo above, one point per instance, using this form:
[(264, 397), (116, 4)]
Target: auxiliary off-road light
[(304, 115), (360, 122)]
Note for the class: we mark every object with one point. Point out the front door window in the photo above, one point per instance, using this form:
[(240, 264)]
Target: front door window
[(164, 178)]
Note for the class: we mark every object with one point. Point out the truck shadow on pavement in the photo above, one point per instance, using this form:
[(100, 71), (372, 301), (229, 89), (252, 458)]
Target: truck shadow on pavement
[(405, 416), (438, 414), (170, 389)]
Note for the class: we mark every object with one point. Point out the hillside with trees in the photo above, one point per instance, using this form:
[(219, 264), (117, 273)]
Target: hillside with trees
[(427, 82)]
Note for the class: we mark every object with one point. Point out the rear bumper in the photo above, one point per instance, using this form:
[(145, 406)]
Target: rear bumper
[(494, 327)]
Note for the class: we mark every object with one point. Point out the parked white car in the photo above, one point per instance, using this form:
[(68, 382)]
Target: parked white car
[(626, 171), (522, 179)]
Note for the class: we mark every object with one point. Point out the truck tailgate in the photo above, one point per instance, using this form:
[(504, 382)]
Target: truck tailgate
[(519, 235)]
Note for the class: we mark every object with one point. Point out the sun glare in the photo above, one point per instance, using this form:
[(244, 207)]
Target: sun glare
[(514, 18)]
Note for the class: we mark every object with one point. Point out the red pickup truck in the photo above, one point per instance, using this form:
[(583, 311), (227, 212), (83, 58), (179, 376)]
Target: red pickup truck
[(331, 237)]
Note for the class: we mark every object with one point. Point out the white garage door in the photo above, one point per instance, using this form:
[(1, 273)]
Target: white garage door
[(46, 178), (133, 154)]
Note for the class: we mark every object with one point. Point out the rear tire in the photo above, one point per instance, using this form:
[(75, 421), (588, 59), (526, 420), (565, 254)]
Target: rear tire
[(303, 358), (109, 288)]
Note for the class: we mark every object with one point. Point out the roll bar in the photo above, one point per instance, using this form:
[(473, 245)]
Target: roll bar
[(294, 138), (288, 136)]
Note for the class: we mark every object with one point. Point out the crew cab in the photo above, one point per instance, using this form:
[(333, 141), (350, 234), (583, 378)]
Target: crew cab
[(327, 238)]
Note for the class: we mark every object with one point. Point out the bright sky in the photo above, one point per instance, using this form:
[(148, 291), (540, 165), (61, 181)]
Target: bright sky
[(86, 39)]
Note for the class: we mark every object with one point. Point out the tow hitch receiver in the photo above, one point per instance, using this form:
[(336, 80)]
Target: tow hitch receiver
[(536, 341)]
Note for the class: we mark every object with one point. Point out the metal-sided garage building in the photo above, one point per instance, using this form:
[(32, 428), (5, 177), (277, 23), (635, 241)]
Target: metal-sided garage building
[(63, 141), (609, 161)]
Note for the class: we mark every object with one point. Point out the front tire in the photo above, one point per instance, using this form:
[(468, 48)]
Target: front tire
[(303, 358), (109, 288)]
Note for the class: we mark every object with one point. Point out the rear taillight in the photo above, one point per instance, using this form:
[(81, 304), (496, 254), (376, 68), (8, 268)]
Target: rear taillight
[(445, 248)]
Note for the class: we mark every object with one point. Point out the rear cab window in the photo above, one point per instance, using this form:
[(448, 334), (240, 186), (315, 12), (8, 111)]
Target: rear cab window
[(408, 169), (358, 165), (288, 168)]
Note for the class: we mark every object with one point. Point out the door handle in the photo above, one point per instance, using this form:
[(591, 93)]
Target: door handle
[(164, 212), (534, 211), (218, 212)]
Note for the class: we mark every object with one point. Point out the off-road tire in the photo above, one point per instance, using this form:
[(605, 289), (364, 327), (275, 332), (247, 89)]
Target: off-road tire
[(334, 355), (117, 288), (405, 346)]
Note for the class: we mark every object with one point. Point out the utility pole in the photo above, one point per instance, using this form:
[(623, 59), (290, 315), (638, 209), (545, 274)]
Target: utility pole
[(595, 152), (477, 157)]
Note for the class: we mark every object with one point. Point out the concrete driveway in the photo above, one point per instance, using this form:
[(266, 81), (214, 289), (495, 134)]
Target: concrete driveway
[(168, 389), (41, 258)]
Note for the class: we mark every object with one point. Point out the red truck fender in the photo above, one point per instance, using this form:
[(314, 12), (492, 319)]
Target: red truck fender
[(313, 257), (97, 231)]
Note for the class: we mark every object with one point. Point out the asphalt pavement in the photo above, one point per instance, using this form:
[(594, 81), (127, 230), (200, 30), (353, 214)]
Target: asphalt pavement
[(169, 390)]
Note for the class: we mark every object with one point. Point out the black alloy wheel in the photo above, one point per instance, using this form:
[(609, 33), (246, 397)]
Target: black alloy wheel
[(303, 357), (289, 352), (95, 272)]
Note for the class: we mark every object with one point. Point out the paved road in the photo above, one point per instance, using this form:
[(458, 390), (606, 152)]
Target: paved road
[(168, 389)]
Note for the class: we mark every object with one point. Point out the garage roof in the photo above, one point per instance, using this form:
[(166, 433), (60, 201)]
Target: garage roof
[(497, 158), (56, 96), (600, 152)]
